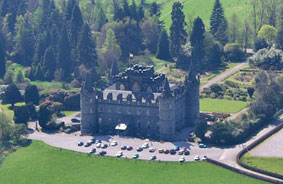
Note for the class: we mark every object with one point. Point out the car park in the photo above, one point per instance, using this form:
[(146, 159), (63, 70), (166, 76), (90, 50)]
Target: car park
[(201, 145), (98, 145), (75, 120), (87, 144), (153, 157), (123, 147), (172, 151), (151, 150), (119, 154), (196, 158), (139, 149), (182, 159), (166, 151), (135, 156), (187, 152), (80, 143), (93, 150), (161, 151), (129, 148), (114, 143)]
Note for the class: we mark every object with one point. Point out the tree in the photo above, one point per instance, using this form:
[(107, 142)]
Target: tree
[(150, 30), (117, 11), (75, 26), (177, 29), (19, 78), (197, 43), (31, 95), (100, 19), (163, 51), (201, 128), (5, 128), (268, 32), (250, 91), (213, 52), (234, 27), (221, 34), (279, 39), (12, 95), (64, 60), (133, 10), (217, 17), (2, 57), (233, 52), (126, 8), (21, 115), (154, 9), (49, 64)]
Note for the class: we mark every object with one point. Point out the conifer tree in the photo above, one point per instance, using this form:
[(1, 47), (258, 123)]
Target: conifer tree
[(117, 11), (126, 8), (133, 10), (69, 9), (140, 14), (64, 60), (216, 18), (197, 43), (154, 9), (100, 19), (177, 30), (86, 48), (2, 57), (75, 26), (163, 46), (279, 40), (221, 34), (49, 64)]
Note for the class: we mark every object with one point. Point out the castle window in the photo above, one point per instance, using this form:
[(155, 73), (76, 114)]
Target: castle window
[(148, 124), (136, 87), (119, 110), (100, 109), (149, 90), (122, 87), (147, 112), (99, 120), (109, 109), (139, 124), (91, 100), (90, 111), (138, 112), (129, 111), (109, 120)]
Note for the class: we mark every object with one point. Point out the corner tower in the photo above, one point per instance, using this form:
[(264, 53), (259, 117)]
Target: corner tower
[(88, 107), (192, 84)]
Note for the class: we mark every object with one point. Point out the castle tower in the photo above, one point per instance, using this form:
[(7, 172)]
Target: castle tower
[(166, 122), (88, 107), (192, 83)]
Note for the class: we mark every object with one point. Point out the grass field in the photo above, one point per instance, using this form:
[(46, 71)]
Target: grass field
[(219, 105), (39, 163), (274, 165), (6, 109)]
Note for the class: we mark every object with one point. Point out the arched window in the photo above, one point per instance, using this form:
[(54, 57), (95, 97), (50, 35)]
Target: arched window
[(148, 124), (122, 87), (138, 124), (149, 89), (99, 120), (136, 87)]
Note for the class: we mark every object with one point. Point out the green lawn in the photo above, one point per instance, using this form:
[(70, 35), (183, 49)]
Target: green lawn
[(219, 105), (69, 113), (39, 163), (270, 164), (6, 109), (158, 63)]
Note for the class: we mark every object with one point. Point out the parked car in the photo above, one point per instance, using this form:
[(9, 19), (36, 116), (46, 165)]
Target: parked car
[(187, 152), (139, 149), (93, 150), (104, 146), (80, 143), (172, 151), (135, 156), (102, 153), (114, 143), (204, 158), (166, 151), (151, 150), (153, 157), (180, 153), (119, 154), (87, 144), (182, 159), (98, 145), (177, 148), (183, 149), (98, 141), (123, 147), (161, 151), (75, 120), (201, 145), (196, 158), (92, 140), (129, 148), (145, 145)]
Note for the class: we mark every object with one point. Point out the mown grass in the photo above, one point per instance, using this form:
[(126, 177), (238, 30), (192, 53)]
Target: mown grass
[(68, 113), (220, 105), (9, 112), (39, 163), (274, 165)]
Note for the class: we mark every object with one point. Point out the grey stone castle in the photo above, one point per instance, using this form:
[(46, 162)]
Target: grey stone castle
[(140, 103)]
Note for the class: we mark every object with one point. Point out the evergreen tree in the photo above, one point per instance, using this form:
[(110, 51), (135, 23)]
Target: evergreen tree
[(86, 48), (75, 26), (100, 17), (12, 95), (2, 57), (163, 46), (140, 14), (49, 64), (111, 44), (177, 30), (69, 9), (64, 60), (197, 43), (126, 8), (21, 115), (31, 95), (42, 44), (154, 9), (117, 11), (216, 18), (221, 35), (279, 40), (133, 10)]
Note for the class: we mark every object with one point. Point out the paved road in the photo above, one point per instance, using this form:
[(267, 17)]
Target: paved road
[(223, 75)]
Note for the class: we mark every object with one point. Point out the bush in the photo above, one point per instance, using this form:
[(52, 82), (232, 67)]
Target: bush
[(261, 43), (233, 52), (216, 88)]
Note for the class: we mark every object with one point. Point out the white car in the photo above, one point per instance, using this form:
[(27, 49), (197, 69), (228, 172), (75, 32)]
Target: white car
[(182, 159), (145, 145), (114, 143), (204, 158), (151, 150), (196, 158), (98, 145), (119, 154)]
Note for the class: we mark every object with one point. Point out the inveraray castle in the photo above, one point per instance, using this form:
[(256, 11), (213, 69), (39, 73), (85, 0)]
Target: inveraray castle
[(140, 103)]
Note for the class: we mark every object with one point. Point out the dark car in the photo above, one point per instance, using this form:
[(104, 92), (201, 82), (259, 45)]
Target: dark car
[(93, 150), (139, 149), (166, 151), (102, 153), (172, 151), (80, 143), (187, 152), (129, 148), (201, 145), (177, 148), (75, 120), (123, 147), (88, 144)]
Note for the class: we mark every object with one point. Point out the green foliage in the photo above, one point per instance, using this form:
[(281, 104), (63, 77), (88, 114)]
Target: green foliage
[(268, 32), (163, 46), (250, 91), (177, 29), (21, 115), (233, 52), (49, 64), (100, 17), (279, 39), (31, 95), (201, 128), (12, 94), (39, 159)]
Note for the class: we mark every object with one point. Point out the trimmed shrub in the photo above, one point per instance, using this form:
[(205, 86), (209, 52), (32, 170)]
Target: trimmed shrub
[(233, 52)]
